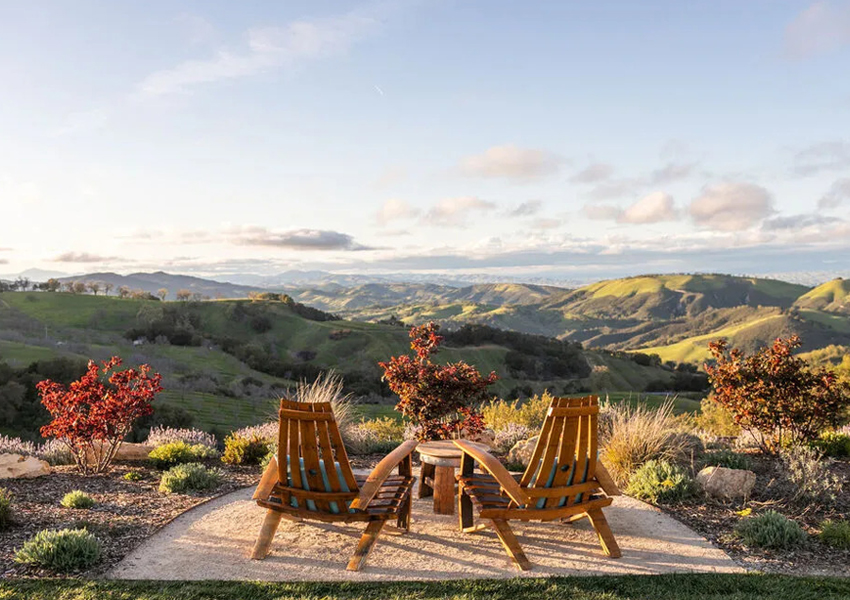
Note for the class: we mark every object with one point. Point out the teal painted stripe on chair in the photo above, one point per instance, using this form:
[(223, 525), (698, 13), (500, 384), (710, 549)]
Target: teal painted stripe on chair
[(334, 507), (541, 503)]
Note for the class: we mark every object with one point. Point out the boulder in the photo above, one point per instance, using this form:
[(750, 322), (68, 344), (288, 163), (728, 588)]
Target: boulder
[(485, 436), (127, 451), (16, 466), (522, 451), (721, 482)]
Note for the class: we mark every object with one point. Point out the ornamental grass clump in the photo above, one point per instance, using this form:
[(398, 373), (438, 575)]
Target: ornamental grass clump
[(62, 551), (177, 453), (160, 436), (375, 436), (727, 458), (835, 533), (530, 413), (5, 508), (245, 451), (189, 478), (661, 481), (77, 499), (631, 436), (770, 530)]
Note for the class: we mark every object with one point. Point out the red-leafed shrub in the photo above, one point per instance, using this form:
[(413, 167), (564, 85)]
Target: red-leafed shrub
[(92, 415), (441, 400), (775, 395)]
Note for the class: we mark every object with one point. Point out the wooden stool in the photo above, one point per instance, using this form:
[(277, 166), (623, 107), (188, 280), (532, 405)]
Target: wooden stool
[(437, 477)]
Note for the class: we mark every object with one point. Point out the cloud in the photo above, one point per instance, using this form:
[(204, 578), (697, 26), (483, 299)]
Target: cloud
[(6, 249), (593, 173), (526, 209), (545, 223), (797, 222), (84, 257), (394, 210), (453, 212), (653, 208), (671, 172), (298, 239), (602, 212), (731, 206), (838, 193), (267, 48), (821, 28), (390, 176), (823, 156), (511, 162)]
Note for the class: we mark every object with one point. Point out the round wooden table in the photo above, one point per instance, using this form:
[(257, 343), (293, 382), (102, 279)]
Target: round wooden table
[(437, 476)]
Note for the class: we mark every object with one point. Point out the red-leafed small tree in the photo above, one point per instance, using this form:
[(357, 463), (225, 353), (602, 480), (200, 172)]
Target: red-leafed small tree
[(441, 400), (94, 414), (775, 395)]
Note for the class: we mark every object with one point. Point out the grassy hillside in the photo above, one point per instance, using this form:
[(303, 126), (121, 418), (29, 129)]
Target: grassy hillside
[(832, 296), (236, 356)]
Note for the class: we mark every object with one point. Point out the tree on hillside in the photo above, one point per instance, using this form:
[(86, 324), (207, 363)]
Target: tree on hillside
[(94, 287), (52, 285), (775, 395), (79, 287), (68, 286), (123, 291), (184, 295), (162, 293), (107, 287)]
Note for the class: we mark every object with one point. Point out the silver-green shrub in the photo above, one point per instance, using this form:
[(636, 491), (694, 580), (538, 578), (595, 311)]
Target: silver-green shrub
[(63, 551), (770, 530), (661, 481), (188, 478)]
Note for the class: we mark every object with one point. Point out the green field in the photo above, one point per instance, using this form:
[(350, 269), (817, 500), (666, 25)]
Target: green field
[(631, 587)]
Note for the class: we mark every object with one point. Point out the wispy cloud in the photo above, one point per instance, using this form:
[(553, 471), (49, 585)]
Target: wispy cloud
[(838, 193), (511, 162), (297, 239), (526, 209), (85, 257), (454, 212), (821, 28), (824, 156), (265, 48), (731, 206), (656, 207), (395, 210), (593, 173)]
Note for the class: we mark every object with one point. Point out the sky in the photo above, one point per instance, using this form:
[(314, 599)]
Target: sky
[(524, 140)]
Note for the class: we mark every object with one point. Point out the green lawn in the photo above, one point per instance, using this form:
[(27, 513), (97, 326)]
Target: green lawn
[(635, 587)]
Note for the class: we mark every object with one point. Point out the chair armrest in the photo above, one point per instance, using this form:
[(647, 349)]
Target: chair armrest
[(380, 473), (268, 481), (492, 465)]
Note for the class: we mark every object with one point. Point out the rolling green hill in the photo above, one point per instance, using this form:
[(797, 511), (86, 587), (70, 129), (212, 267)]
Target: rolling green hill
[(225, 361), (832, 296)]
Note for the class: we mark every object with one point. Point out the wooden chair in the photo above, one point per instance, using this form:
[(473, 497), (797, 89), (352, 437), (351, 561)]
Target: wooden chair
[(564, 480), (323, 486)]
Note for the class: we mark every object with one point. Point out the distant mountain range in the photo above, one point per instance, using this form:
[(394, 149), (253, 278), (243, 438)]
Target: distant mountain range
[(671, 315)]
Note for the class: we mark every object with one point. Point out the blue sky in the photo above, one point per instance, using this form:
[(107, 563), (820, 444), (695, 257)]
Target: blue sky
[(557, 139)]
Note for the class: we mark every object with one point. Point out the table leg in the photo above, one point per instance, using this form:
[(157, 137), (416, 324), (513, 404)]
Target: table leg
[(426, 476), (444, 491)]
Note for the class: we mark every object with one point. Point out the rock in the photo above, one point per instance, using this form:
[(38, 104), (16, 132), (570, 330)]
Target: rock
[(127, 451), (522, 451), (721, 482), (16, 466), (486, 437)]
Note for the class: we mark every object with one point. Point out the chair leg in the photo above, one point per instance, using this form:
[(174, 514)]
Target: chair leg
[(365, 545), (511, 545), (606, 538), (464, 509), (267, 531), (404, 513)]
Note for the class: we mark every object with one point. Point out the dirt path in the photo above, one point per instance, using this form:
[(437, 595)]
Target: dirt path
[(212, 542)]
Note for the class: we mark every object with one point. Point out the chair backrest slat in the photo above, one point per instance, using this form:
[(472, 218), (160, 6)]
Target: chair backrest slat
[(313, 467), (565, 455)]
